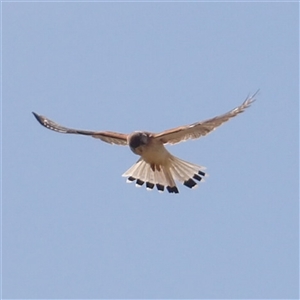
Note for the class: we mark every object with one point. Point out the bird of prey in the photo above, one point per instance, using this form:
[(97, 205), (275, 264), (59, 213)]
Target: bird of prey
[(156, 165)]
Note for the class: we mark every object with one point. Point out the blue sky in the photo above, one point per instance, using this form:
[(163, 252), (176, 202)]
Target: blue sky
[(72, 227)]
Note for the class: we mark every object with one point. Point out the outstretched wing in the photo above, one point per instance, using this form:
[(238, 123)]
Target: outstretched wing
[(105, 136), (199, 129)]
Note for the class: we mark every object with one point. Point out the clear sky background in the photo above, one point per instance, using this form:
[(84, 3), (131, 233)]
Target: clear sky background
[(72, 227)]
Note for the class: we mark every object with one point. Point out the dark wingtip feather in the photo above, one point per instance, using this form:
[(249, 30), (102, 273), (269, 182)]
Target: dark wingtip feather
[(39, 118)]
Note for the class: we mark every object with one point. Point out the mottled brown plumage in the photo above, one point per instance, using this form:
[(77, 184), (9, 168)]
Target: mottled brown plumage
[(157, 166)]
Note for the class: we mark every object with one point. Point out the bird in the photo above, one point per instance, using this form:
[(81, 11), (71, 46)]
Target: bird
[(157, 167)]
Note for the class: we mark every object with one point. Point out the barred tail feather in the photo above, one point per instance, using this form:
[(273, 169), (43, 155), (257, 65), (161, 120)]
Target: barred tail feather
[(186, 172), (164, 176)]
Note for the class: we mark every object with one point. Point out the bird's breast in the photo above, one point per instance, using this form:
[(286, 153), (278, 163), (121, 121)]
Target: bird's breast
[(154, 153)]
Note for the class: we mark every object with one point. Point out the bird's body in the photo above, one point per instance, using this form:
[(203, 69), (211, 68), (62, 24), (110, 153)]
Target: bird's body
[(157, 166), (152, 150)]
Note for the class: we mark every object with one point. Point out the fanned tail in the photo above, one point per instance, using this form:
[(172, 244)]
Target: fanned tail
[(186, 172), (164, 176)]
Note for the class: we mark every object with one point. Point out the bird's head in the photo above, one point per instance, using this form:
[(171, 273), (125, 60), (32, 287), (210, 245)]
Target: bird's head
[(138, 139)]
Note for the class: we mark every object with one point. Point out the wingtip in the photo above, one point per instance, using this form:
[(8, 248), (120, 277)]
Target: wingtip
[(38, 117), (252, 98), (35, 114)]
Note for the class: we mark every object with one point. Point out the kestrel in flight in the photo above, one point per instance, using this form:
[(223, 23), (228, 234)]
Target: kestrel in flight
[(156, 165)]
